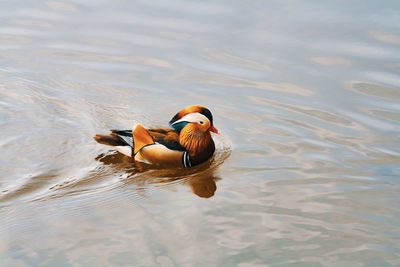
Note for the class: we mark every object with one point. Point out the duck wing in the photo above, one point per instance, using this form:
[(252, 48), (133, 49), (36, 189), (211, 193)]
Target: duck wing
[(166, 137), (149, 147)]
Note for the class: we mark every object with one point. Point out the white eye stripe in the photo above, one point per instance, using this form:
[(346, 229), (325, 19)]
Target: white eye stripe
[(193, 117)]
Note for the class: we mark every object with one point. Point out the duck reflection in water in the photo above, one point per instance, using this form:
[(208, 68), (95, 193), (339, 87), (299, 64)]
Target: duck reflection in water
[(200, 179)]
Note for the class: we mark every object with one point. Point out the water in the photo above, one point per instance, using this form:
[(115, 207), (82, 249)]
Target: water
[(305, 94)]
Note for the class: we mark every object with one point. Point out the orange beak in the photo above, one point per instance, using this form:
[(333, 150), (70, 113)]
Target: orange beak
[(214, 130)]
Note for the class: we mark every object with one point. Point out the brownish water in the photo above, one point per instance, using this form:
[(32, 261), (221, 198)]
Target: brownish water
[(305, 94)]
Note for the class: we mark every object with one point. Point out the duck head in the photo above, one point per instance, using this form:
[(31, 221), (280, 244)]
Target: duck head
[(194, 133), (199, 116)]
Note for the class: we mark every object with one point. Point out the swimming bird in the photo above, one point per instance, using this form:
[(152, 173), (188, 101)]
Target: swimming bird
[(187, 143)]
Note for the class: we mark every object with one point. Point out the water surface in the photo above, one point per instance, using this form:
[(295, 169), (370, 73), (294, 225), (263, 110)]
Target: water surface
[(306, 96)]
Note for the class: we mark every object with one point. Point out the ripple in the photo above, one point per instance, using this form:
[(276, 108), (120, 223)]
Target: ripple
[(373, 89), (31, 22), (6, 38), (306, 110), (62, 6), (384, 114), (20, 32), (330, 61), (219, 79), (101, 57), (31, 184), (386, 38), (231, 59)]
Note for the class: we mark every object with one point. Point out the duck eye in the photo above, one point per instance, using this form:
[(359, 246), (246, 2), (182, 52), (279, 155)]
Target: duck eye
[(201, 122)]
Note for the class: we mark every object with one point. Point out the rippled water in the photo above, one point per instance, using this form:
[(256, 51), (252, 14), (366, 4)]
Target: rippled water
[(306, 95)]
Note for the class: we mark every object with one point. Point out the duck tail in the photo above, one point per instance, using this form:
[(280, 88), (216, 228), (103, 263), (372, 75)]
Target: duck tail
[(109, 140)]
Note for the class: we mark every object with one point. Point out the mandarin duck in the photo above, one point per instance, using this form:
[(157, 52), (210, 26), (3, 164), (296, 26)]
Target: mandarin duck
[(187, 143)]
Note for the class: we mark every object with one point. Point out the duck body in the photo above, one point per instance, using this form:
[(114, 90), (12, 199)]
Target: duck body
[(186, 144)]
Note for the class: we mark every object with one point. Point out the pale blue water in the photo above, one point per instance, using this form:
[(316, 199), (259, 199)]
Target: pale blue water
[(306, 96)]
